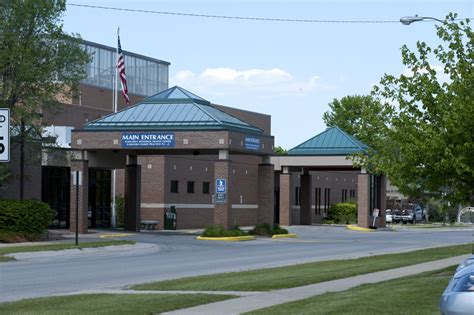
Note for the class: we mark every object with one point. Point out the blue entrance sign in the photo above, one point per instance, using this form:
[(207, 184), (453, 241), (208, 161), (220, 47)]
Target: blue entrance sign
[(252, 143), (148, 140), (221, 185)]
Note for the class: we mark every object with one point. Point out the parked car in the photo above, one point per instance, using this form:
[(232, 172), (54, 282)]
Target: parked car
[(413, 213), (388, 216), (458, 297), (469, 261), (396, 216)]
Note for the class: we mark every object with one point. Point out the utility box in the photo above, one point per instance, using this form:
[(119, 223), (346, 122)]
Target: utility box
[(170, 218)]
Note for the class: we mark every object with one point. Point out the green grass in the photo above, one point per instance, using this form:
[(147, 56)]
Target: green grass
[(418, 294), (101, 304), (304, 274), (54, 247)]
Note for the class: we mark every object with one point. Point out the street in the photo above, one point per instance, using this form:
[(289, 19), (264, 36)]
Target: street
[(181, 255)]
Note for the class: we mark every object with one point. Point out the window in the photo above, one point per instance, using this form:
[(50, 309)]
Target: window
[(327, 199), (344, 195), (175, 186), (297, 196), (353, 194), (317, 199), (190, 187), (206, 188)]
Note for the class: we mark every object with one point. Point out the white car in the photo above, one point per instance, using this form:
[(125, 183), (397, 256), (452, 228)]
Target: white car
[(388, 216)]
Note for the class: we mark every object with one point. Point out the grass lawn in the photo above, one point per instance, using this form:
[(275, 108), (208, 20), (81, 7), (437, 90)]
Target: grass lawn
[(99, 304), (304, 274), (418, 294), (49, 247)]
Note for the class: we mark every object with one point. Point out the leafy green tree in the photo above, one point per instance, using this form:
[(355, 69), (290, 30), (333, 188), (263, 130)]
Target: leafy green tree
[(39, 64), (362, 116), (429, 144), (279, 150)]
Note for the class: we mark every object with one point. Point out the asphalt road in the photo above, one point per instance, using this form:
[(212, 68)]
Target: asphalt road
[(177, 256)]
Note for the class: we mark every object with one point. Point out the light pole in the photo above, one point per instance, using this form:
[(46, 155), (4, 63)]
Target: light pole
[(407, 20)]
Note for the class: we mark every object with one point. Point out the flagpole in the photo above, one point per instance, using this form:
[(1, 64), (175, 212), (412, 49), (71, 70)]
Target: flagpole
[(114, 171)]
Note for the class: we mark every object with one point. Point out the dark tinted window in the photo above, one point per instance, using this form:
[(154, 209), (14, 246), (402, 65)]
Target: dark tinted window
[(174, 186), (205, 188), (190, 187)]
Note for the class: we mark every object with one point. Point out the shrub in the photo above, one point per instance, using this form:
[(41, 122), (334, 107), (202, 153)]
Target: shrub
[(343, 212), (219, 231), (264, 229), (28, 217)]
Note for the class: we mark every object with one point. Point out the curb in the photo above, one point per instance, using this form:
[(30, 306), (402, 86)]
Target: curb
[(289, 235), (358, 228), (227, 239)]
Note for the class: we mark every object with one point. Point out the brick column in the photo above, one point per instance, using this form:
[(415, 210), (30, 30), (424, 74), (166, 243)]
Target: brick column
[(83, 167), (305, 200), (132, 195), (285, 199), (222, 208), (363, 199), (266, 191)]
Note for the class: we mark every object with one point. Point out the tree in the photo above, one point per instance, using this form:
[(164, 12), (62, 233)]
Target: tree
[(39, 63), (429, 144), (362, 116), (280, 151)]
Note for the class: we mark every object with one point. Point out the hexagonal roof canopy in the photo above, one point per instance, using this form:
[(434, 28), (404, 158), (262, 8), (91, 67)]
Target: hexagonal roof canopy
[(332, 141), (173, 109)]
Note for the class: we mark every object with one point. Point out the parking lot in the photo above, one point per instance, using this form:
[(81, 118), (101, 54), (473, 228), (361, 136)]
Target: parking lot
[(180, 254)]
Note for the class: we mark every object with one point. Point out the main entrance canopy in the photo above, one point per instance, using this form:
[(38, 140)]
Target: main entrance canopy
[(173, 122)]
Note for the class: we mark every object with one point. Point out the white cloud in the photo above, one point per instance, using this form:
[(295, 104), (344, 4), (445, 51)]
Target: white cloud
[(442, 77), (229, 81)]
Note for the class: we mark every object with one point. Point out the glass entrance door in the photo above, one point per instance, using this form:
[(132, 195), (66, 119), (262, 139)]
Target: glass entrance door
[(55, 190), (99, 198)]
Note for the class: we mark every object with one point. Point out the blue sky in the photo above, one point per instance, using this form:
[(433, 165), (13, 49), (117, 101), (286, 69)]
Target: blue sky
[(288, 70)]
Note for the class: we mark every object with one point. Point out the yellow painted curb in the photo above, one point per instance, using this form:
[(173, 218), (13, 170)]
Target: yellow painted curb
[(289, 235), (113, 235), (358, 228), (226, 239)]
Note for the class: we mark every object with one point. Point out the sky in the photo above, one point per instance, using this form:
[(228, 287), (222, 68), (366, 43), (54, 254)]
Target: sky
[(290, 71)]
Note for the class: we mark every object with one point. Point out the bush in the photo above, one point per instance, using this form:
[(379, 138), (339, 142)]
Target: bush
[(28, 218), (264, 229), (219, 231), (343, 212)]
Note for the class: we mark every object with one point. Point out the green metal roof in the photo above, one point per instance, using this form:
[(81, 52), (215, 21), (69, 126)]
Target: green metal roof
[(332, 141), (172, 109)]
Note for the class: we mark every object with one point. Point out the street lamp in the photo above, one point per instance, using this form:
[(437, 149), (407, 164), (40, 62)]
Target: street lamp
[(407, 20)]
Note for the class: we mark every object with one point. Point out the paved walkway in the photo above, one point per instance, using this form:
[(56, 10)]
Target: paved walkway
[(254, 302)]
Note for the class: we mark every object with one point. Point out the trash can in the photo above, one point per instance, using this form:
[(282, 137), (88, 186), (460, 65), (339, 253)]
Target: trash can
[(170, 218)]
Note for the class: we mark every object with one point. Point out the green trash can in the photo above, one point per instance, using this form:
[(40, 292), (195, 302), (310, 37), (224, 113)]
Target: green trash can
[(170, 218)]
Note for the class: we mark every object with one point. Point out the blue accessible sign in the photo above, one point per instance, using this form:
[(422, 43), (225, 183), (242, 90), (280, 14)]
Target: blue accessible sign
[(252, 143), (221, 185), (148, 140)]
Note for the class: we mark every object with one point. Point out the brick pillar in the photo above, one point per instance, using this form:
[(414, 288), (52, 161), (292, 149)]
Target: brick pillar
[(132, 196), (383, 201), (285, 199), (83, 167), (222, 208), (363, 199), (266, 191), (305, 200)]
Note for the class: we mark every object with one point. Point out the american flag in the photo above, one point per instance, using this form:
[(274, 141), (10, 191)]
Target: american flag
[(121, 72)]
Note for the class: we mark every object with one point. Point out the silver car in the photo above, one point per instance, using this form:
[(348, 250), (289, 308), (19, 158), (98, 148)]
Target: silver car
[(469, 261), (458, 297)]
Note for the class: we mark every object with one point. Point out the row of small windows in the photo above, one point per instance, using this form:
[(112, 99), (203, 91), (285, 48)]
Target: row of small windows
[(190, 187)]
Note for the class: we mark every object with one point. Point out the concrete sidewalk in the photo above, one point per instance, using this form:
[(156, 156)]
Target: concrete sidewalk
[(254, 302)]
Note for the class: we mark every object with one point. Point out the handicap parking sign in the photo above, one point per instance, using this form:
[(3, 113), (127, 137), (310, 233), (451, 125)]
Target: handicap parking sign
[(221, 185)]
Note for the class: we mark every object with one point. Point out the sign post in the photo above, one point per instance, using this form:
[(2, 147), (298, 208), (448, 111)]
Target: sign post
[(4, 135), (375, 214)]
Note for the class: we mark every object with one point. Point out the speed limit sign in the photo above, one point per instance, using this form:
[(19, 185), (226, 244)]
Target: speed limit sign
[(4, 135)]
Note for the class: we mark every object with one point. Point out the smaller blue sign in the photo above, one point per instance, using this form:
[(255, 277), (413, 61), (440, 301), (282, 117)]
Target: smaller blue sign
[(252, 143), (220, 198), (148, 140), (221, 185)]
